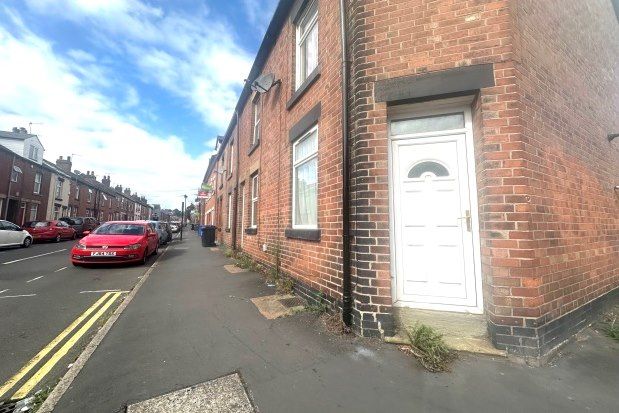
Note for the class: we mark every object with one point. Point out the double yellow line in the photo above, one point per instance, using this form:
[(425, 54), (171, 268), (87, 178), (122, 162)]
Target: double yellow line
[(108, 299)]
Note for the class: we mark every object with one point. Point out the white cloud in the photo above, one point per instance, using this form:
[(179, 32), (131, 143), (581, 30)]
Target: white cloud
[(39, 86), (194, 57)]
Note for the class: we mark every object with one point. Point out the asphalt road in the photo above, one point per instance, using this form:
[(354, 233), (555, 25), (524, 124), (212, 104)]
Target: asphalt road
[(41, 295)]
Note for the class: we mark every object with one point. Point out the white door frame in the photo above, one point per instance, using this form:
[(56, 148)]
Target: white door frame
[(460, 104)]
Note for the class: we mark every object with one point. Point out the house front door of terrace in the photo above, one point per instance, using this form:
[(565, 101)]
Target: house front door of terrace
[(435, 244)]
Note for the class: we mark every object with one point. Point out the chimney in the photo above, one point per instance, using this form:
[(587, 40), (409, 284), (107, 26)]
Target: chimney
[(90, 175), (119, 188), (127, 191), (64, 164), (106, 181)]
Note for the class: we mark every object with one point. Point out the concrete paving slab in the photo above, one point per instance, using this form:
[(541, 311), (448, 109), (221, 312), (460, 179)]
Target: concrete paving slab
[(233, 269), (223, 395), (461, 331), (272, 307)]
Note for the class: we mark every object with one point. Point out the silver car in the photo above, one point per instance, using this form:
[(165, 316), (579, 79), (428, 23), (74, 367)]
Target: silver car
[(159, 227)]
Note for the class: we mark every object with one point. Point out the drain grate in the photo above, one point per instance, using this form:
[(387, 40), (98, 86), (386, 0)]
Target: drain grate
[(8, 406), (16, 406), (292, 302)]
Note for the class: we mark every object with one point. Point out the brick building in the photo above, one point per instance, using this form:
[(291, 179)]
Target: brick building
[(206, 202), (476, 173), (91, 198), (24, 187)]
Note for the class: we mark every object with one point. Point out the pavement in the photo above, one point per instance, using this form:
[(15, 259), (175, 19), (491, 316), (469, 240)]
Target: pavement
[(192, 323)]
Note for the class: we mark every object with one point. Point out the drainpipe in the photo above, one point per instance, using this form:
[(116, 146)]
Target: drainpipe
[(8, 192), (346, 278), (236, 189)]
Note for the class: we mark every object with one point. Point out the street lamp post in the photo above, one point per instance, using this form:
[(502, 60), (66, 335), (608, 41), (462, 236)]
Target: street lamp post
[(183, 216)]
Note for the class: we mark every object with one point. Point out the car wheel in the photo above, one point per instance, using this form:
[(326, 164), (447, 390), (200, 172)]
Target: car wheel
[(27, 242), (144, 258), (75, 264), (74, 235), (58, 238), (156, 250)]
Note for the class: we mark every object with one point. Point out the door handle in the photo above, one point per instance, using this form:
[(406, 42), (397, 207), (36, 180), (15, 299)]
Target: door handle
[(467, 217)]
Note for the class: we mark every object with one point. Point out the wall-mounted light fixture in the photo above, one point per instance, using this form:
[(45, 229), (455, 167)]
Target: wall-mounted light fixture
[(612, 136)]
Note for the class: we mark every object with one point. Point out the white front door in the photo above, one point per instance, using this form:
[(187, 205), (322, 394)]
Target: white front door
[(434, 210)]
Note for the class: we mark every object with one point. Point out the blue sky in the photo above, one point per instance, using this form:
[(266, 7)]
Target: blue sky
[(134, 88)]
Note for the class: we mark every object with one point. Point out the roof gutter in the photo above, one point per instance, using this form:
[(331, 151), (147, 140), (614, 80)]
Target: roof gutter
[(346, 277)]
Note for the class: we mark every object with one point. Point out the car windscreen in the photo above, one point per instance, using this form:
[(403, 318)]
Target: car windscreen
[(68, 221), (120, 229), (37, 224)]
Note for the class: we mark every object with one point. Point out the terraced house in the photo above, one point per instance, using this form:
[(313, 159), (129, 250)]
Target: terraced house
[(447, 155)]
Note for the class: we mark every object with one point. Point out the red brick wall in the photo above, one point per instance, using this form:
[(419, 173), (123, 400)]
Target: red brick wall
[(544, 168), (566, 59), (410, 38), (23, 189), (316, 264)]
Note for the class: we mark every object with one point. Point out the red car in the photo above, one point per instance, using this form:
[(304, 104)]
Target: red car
[(116, 242), (49, 230)]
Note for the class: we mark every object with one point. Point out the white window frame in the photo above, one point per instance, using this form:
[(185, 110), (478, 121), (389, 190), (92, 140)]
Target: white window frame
[(14, 176), (58, 189), (255, 194), (56, 211), (295, 164), (229, 211), (77, 192), (309, 19), (34, 153), (37, 184), (231, 158), (34, 210), (89, 199), (255, 137)]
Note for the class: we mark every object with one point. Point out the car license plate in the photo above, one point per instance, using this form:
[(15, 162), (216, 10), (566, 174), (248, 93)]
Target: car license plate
[(102, 254)]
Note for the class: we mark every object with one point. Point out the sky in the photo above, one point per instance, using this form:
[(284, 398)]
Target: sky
[(137, 89)]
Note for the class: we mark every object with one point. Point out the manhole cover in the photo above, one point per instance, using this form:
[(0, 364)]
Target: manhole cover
[(292, 302)]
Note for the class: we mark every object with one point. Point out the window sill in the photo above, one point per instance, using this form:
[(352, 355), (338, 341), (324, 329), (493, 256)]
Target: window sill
[(251, 231), (253, 147), (303, 234), (307, 83), (227, 229)]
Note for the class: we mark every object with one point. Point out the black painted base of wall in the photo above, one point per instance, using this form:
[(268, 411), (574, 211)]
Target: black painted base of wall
[(537, 340)]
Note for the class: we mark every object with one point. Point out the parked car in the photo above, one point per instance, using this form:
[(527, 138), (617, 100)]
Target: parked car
[(168, 230), (175, 227), (116, 242), (81, 224), (50, 230), (161, 232), (13, 235)]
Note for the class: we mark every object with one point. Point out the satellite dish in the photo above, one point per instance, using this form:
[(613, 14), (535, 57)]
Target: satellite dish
[(263, 83)]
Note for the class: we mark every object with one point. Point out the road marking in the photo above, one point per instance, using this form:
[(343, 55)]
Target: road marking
[(67, 379), (34, 279), (103, 291), (46, 368), (63, 268), (34, 256), (33, 361), (3, 291), (17, 296)]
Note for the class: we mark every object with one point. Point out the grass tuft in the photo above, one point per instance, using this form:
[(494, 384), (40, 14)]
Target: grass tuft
[(428, 346), (610, 327)]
